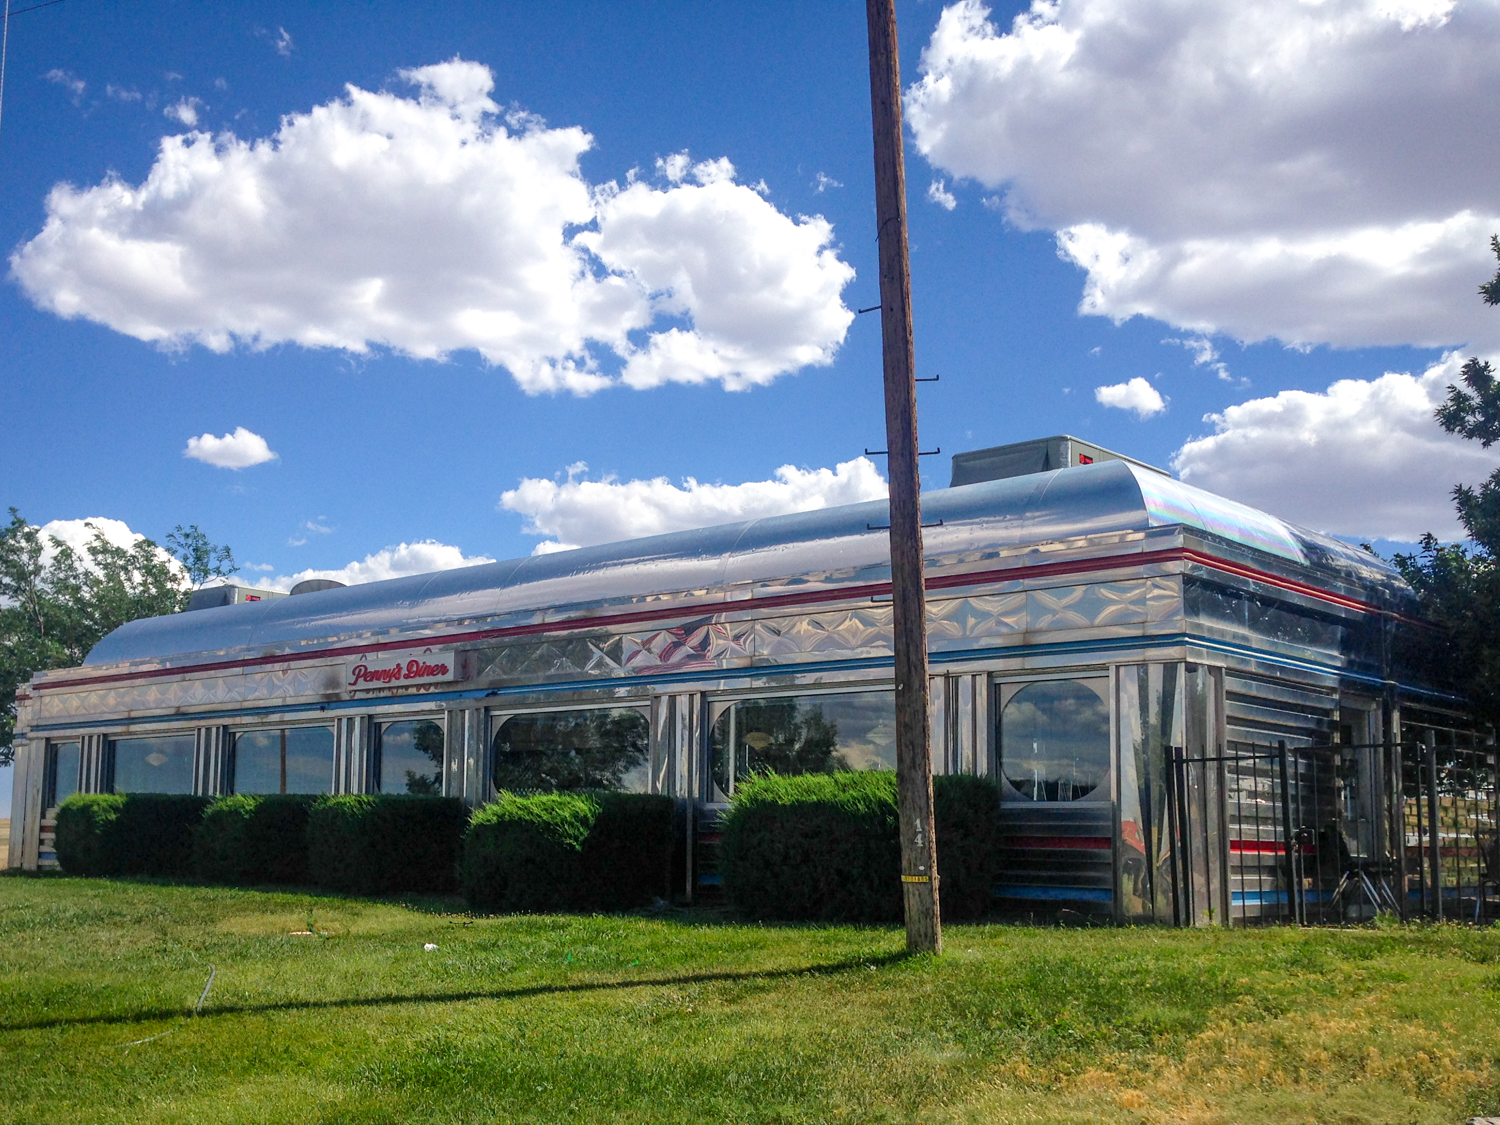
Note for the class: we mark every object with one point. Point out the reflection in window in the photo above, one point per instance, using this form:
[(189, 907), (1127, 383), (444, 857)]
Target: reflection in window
[(294, 760), (606, 748), (803, 734), (62, 780), (1054, 740), (409, 757), (153, 765)]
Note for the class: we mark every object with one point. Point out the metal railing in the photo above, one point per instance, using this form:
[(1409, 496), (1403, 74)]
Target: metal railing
[(1321, 835)]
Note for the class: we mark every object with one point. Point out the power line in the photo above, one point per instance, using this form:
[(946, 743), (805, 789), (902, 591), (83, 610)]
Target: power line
[(5, 42), (4, 47), (34, 7)]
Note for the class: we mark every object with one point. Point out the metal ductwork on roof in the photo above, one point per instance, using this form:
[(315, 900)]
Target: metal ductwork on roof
[(1040, 455)]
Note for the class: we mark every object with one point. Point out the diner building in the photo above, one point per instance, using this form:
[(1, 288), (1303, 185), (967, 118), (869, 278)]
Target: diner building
[(1111, 645)]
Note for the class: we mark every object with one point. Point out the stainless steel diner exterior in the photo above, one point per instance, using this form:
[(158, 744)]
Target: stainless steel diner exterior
[(1086, 624)]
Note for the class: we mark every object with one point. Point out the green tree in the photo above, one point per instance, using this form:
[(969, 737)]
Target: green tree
[(56, 604), (1459, 584), (202, 560)]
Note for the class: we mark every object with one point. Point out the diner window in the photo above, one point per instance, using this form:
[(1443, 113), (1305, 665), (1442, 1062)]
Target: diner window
[(153, 765), (291, 760), (802, 734), (63, 762), (1054, 739), (600, 748), (409, 757)]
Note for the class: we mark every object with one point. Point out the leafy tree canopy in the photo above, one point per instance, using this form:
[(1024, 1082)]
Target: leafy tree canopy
[(201, 559), (1459, 584), (57, 603)]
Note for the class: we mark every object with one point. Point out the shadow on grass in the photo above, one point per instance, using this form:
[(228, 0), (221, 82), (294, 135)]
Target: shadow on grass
[(149, 1014)]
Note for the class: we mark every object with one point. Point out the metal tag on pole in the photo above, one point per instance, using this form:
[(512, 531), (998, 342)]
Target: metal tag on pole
[(919, 874)]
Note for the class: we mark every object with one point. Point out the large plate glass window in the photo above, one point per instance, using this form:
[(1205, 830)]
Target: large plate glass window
[(1054, 740), (600, 748), (153, 765), (409, 757), (792, 734), (291, 760), (63, 762)]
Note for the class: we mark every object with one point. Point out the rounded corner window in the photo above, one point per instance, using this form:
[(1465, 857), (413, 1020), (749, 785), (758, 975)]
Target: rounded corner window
[(1054, 741)]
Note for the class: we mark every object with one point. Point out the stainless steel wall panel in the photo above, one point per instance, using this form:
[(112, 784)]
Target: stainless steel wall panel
[(663, 740), (212, 761), (464, 755), (938, 710), (352, 755), (25, 810), (94, 775)]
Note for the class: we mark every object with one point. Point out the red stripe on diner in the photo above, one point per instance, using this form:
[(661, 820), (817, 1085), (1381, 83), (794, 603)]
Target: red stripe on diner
[(1266, 847), (1072, 843), (848, 593)]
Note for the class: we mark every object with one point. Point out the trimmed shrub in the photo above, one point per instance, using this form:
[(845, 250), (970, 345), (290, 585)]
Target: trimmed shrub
[(85, 834), (560, 851), (385, 844), (128, 833), (526, 853), (248, 839), (967, 812), (825, 847), (627, 855), (818, 846)]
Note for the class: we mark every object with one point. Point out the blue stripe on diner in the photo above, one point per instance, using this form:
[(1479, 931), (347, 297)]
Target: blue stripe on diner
[(1275, 898), (1103, 646), (1056, 894), (710, 880)]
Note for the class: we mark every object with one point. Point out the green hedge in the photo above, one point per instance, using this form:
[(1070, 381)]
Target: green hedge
[(250, 839), (128, 833), (385, 844), (85, 834), (824, 847), (568, 851), (967, 812)]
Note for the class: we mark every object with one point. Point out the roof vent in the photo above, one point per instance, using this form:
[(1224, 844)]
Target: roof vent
[(211, 597), (315, 585), (1039, 455)]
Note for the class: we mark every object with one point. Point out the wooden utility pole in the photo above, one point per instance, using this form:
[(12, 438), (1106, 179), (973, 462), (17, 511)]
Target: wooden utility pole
[(919, 874)]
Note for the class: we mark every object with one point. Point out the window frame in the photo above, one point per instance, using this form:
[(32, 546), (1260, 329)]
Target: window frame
[(234, 734), (49, 770), (378, 722), (716, 705), (496, 717), (1004, 688), (111, 753)]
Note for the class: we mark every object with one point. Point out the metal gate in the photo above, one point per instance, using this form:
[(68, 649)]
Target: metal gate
[(1319, 835)]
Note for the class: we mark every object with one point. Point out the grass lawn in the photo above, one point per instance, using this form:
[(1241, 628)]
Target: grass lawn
[(684, 1018)]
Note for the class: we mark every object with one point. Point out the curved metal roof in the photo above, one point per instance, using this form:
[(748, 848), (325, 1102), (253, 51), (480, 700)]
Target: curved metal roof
[(830, 547)]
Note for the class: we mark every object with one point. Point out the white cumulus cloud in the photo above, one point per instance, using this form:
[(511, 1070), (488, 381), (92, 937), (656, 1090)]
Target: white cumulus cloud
[(78, 534), (184, 111), (238, 450), (1135, 395), (1363, 458), (937, 192), (400, 561), (577, 512), (433, 223), (1311, 172), (761, 289)]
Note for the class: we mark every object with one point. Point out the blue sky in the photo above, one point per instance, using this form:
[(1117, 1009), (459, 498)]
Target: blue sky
[(1254, 232)]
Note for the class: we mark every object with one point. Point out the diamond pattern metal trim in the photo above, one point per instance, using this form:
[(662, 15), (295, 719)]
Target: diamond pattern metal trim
[(705, 643)]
